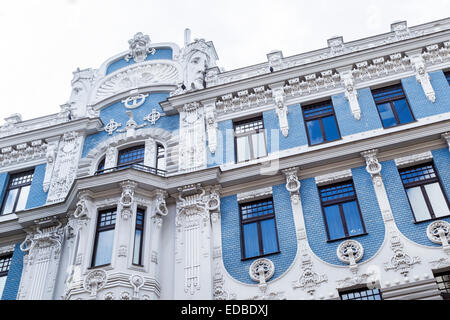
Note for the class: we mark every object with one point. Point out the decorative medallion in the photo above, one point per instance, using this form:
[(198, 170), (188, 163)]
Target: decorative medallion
[(261, 270), (439, 232), (350, 252), (112, 126), (135, 101), (153, 116)]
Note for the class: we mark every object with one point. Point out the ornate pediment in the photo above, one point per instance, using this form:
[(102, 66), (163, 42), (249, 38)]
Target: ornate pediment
[(138, 75)]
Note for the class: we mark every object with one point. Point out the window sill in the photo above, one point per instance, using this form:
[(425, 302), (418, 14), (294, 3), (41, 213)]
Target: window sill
[(8, 217), (349, 237), (431, 219), (261, 256)]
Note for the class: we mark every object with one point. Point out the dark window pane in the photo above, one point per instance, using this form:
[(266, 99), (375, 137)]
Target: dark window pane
[(342, 190), (352, 218), (318, 110), (251, 240), (104, 247), (403, 112), (330, 127), (269, 236), (386, 114), (334, 222), (132, 155), (315, 133)]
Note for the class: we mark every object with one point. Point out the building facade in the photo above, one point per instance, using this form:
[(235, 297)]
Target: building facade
[(324, 175)]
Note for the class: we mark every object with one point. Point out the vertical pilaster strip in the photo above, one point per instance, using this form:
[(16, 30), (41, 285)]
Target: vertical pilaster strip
[(150, 153), (159, 212)]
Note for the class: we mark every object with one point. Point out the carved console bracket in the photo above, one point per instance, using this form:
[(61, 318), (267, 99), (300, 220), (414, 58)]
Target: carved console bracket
[(211, 124), (127, 198), (280, 107), (350, 92), (418, 64)]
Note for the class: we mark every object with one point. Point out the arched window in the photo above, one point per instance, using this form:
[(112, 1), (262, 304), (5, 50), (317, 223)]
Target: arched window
[(101, 166), (160, 157)]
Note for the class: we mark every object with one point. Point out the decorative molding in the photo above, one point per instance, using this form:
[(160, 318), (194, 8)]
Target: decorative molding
[(127, 198), (292, 183), (413, 159), (280, 108), (94, 281), (7, 249), (131, 126), (211, 124), (446, 137), (439, 232), (400, 261), (139, 48), (333, 177), (137, 282), (111, 126), (309, 280), (24, 152), (153, 116), (418, 64), (350, 252), (138, 100), (261, 270), (350, 92), (254, 194)]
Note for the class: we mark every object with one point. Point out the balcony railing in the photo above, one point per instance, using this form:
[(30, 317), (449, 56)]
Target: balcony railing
[(137, 166)]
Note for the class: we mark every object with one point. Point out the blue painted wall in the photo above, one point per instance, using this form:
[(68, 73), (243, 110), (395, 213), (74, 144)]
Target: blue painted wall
[(420, 105), (37, 197), (231, 238), (225, 145), (398, 199), (161, 53), (315, 225), (3, 184), (348, 125), (297, 134), (14, 275), (117, 111)]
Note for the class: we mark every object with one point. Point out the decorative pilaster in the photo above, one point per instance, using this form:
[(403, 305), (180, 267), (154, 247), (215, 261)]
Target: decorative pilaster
[(400, 261), (110, 157), (52, 148), (350, 92), (43, 246), (159, 212), (211, 123), (280, 107), (127, 199), (192, 138), (193, 254), (65, 167), (150, 153), (418, 64)]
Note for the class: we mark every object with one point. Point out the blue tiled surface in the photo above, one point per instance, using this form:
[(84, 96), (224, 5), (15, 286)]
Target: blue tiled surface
[(399, 201), (117, 111), (161, 53), (420, 105), (348, 125), (315, 225), (231, 245), (297, 134), (14, 275), (225, 145), (37, 196)]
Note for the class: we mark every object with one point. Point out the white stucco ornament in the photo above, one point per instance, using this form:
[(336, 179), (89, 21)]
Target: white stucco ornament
[(139, 47), (261, 270), (439, 232), (350, 252)]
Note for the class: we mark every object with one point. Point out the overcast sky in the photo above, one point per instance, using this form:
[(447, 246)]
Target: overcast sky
[(43, 41)]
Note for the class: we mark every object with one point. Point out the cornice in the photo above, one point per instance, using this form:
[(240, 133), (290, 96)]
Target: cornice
[(85, 125), (347, 60)]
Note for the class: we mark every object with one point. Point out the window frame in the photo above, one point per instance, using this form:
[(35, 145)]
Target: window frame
[(9, 188), (319, 117), (447, 76), (421, 184), (339, 202), (98, 230), (439, 273), (391, 104), (142, 229), (359, 288), (249, 134), (258, 220), (4, 274), (128, 149), (158, 156)]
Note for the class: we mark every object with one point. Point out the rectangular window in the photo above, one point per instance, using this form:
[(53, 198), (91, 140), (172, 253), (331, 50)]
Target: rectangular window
[(392, 106), (443, 282), (320, 122), (361, 294), (5, 262), (447, 76), (138, 237), (250, 139), (104, 238), (424, 192), (16, 196), (341, 211), (258, 228), (131, 155), (160, 157)]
